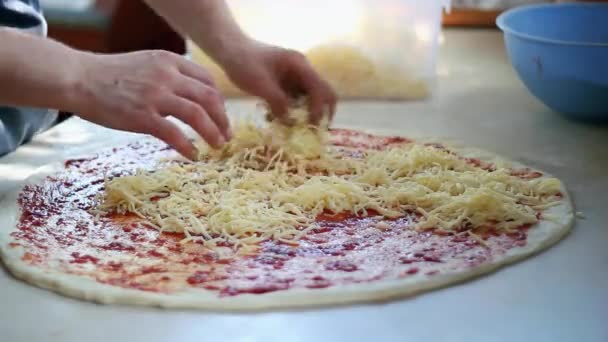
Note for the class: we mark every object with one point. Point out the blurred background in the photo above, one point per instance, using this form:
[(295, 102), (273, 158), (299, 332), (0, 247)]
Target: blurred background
[(374, 49), (127, 25)]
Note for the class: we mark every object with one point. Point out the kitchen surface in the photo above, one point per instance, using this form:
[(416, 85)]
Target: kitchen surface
[(559, 295)]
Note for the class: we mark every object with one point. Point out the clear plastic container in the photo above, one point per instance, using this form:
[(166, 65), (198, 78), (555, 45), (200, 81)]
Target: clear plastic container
[(374, 49)]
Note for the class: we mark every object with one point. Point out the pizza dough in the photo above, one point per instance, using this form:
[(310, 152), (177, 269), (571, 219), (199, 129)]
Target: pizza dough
[(80, 273)]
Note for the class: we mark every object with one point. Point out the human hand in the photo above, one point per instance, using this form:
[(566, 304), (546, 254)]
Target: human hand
[(137, 91), (276, 75), (270, 72)]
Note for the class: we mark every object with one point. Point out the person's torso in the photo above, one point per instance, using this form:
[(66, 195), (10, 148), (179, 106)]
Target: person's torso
[(18, 125)]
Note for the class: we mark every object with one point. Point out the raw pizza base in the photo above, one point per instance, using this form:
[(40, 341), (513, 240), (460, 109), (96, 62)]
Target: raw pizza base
[(540, 236)]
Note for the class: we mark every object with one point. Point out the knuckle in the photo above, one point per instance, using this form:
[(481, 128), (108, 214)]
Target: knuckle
[(296, 56), (212, 93), (139, 109), (209, 77), (161, 56), (151, 126), (193, 111), (163, 63), (213, 98), (165, 74), (203, 71)]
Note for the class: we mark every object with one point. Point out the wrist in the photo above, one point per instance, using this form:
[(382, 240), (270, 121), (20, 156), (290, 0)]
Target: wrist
[(72, 89), (235, 52), (225, 49)]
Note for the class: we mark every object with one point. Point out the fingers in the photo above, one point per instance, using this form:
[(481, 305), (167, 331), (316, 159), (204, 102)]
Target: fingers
[(316, 106), (168, 132), (194, 115), (332, 108), (321, 97), (209, 99), (195, 71), (188, 94), (137, 89), (277, 99)]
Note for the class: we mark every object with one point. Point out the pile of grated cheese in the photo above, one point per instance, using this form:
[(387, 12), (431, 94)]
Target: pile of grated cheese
[(350, 71), (355, 75), (272, 182)]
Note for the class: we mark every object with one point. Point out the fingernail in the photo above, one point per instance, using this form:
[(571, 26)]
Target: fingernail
[(228, 134), (193, 155)]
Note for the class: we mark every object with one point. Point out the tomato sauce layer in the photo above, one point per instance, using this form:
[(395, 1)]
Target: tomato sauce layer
[(58, 232)]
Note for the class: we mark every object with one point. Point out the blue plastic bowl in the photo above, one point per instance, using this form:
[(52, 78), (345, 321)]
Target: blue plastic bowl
[(560, 52)]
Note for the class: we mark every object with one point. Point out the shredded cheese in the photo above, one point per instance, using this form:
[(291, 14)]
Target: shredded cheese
[(353, 74), (272, 183)]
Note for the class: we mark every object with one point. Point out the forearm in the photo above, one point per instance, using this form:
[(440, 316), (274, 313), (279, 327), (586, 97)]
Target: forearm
[(36, 72), (208, 23)]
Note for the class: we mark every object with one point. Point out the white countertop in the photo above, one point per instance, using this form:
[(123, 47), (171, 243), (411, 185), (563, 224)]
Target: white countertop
[(559, 295)]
